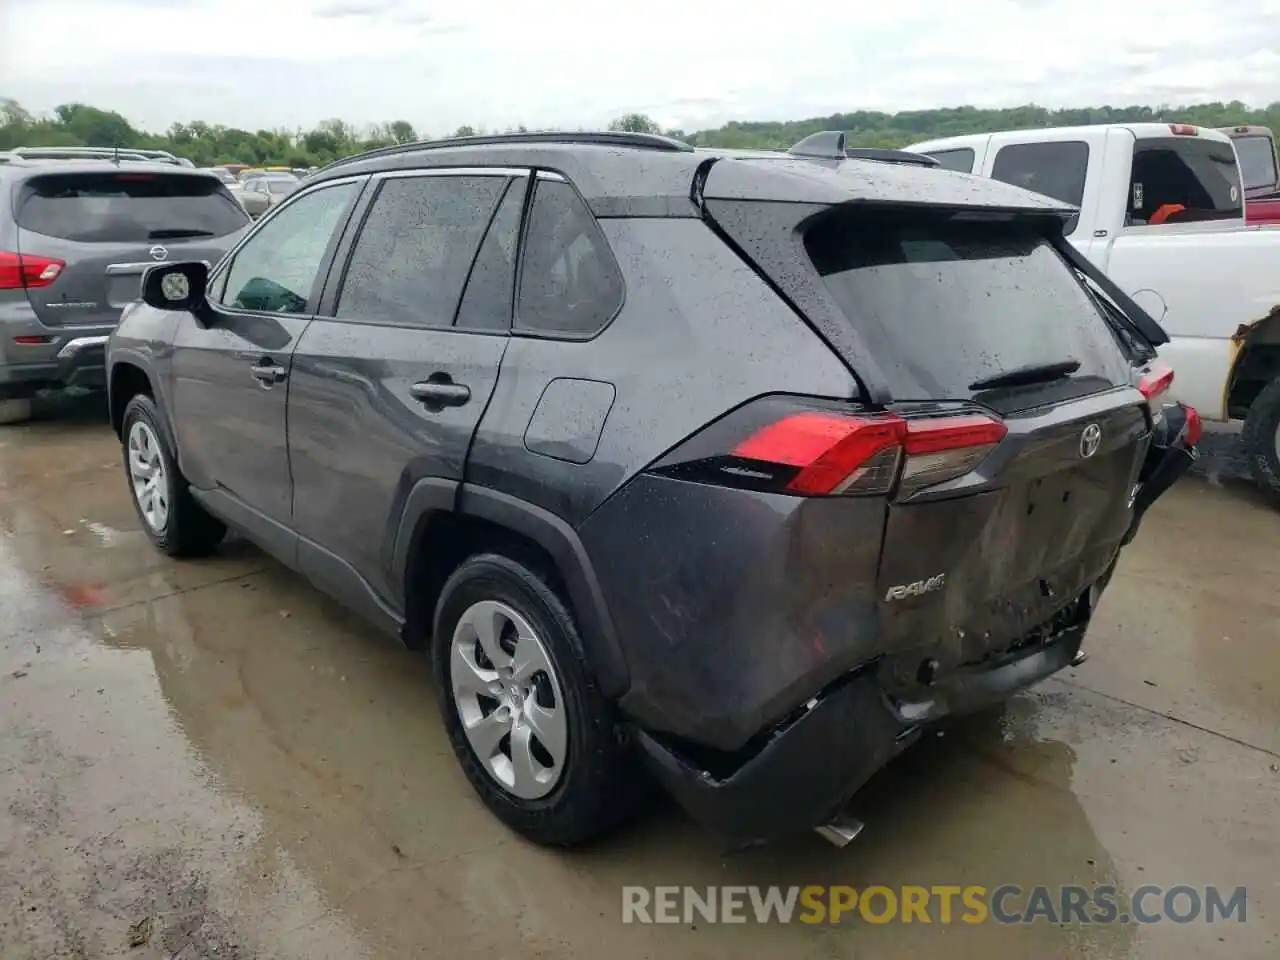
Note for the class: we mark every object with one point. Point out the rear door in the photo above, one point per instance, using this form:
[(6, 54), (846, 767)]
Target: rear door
[(986, 320), (108, 227), (973, 321), (389, 388)]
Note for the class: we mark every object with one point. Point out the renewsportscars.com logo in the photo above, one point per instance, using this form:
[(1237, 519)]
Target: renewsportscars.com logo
[(942, 904)]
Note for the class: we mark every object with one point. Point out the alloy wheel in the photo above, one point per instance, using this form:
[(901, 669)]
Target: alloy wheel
[(147, 476), (509, 699)]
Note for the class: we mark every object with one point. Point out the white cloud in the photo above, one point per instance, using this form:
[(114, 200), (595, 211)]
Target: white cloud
[(441, 63)]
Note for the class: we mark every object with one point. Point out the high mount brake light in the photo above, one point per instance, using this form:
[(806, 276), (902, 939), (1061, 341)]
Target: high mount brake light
[(1156, 381), (1183, 129), (832, 453), (20, 271)]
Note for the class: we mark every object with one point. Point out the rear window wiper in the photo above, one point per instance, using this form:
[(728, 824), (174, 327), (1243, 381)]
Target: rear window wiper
[(177, 233), (1032, 373)]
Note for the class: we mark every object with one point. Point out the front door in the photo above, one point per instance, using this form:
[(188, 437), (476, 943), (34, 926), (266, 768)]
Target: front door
[(389, 390), (231, 373)]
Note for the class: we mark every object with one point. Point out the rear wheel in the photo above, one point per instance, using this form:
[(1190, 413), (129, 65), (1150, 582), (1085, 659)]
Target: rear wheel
[(170, 516), (533, 733), (1262, 439)]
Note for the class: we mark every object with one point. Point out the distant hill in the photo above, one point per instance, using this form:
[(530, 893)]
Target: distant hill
[(76, 124)]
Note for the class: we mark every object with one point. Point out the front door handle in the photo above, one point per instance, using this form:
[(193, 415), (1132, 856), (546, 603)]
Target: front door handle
[(267, 373), (441, 393)]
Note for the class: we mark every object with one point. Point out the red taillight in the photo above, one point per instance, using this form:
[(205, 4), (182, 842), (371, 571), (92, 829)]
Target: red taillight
[(833, 453), (1155, 381), (33, 341), (1194, 427), (827, 448), (1183, 129), (24, 270)]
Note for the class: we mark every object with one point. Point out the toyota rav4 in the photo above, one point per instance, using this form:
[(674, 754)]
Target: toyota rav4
[(741, 468)]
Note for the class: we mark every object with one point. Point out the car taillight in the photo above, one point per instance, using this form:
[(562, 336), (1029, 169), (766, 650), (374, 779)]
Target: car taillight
[(827, 453), (1156, 381), (1194, 426), (24, 270)]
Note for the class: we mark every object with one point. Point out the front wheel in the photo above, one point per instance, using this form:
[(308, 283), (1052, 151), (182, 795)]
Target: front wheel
[(1262, 439), (533, 733), (170, 516)]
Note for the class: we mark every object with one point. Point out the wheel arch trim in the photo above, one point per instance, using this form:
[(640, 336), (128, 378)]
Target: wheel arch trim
[(554, 535)]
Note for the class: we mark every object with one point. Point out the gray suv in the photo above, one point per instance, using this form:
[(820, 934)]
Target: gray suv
[(736, 471), (75, 237)]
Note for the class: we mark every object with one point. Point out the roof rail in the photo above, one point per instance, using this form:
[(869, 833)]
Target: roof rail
[(93, 153), (606, 138), (830, 145)]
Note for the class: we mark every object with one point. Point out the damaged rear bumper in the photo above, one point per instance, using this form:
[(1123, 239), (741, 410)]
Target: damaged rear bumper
[(808, 767)]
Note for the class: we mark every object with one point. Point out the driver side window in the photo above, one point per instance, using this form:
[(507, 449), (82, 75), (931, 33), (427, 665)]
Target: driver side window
[(276, 270)]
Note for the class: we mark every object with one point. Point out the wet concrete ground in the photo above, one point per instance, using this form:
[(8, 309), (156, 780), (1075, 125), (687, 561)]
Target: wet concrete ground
[(214, 754)]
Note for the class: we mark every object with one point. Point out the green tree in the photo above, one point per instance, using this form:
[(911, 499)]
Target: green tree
[(635, 123), (204, 143)]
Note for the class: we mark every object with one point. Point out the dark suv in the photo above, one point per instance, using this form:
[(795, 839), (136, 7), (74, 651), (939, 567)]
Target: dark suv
[(749, 465), (75, 238)]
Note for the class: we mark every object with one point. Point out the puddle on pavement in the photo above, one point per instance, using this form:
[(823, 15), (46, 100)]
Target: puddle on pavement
[(218, 746)]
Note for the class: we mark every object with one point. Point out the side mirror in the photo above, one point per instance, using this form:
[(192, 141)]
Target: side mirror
[(177, 286)]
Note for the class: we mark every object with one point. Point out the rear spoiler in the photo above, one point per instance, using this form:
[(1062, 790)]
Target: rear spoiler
[(831, 145), (1143, 322)]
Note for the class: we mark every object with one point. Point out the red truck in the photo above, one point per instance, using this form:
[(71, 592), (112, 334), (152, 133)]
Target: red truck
[(1256, 150)]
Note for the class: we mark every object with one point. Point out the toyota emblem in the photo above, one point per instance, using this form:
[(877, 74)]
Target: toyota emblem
[(158, 253), (1090, 440)]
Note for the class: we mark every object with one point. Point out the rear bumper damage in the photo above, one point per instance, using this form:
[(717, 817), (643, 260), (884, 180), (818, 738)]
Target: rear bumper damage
[(803, 772), (750, 774)]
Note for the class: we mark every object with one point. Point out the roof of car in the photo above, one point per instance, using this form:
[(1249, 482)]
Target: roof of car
[(629, 175)]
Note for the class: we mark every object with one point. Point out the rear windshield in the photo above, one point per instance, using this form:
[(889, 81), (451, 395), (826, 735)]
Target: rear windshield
[(282, 186), (127, 207), (1182, 180), (1257, 156), (944, 304)]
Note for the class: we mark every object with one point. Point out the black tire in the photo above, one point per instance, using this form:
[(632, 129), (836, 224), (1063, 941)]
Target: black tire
[(1262, 439), (188, 530), (601, 784)]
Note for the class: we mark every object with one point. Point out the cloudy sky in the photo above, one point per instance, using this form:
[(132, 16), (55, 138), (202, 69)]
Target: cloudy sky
[(687, 63)]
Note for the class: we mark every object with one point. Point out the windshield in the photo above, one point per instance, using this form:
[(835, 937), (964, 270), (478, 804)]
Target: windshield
[(1257, 156), (945, 304), (281, 187), (127, 207)]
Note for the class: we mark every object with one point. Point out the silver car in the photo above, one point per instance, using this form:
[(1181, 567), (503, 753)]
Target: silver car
[(260, 193), (74, 244)]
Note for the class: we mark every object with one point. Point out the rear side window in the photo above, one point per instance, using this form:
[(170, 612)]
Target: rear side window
[(128, 207), (416, 248), (1257, 161), (486, 305), (960, 160), (1184, 179), (569, 282), (1054, 169), (943, 304)]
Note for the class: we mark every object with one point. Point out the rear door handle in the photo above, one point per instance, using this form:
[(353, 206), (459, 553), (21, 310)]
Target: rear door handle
[(267, 373), (443, 393)]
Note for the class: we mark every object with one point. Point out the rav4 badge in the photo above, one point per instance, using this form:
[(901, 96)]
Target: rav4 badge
[(916, 589)]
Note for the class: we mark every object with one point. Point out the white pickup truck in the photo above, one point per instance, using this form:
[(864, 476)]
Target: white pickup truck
[(1162, 215)]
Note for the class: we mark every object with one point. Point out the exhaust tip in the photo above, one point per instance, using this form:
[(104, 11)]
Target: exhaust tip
[(840, 832)]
